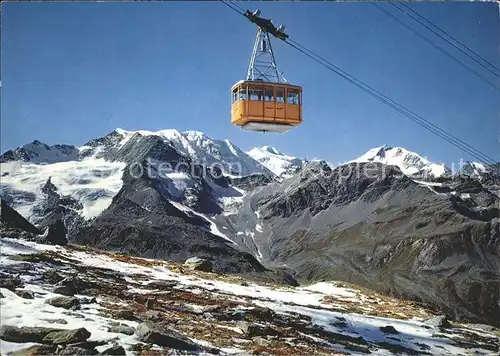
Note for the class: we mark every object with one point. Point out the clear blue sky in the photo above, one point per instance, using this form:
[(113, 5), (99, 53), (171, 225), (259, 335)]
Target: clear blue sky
[(75, 71)]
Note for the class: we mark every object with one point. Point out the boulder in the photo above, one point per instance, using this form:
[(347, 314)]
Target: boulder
[(124, 314), (114, 350), (70, 286), (67, 336), (439, 321), (64, 302), (389, 329), (51, 276), (163, 336), (162, 284), (77, 351), (199, 264), (36, 350), (25, 333), (26, 294), (9, 282), (251, 330), (55, 234), (122, 329)]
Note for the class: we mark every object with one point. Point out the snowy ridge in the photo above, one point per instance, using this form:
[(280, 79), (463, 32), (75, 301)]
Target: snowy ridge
[(409, 162), (275, 161), (474, 169), (38, 152), (205, 150)]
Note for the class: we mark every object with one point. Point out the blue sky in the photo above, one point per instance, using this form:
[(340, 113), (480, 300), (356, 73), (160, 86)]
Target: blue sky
[(75, 71)]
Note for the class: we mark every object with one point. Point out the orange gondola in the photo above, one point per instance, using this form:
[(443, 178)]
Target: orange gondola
[(265, 101)]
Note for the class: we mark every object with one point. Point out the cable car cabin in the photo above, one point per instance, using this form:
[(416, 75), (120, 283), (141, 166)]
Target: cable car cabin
[(266, 106)]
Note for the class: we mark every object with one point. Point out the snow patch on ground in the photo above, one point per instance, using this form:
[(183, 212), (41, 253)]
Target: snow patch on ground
[(308, 301)]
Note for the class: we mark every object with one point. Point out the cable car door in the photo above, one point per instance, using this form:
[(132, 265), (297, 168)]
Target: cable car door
[(280, 103), (269, 103)]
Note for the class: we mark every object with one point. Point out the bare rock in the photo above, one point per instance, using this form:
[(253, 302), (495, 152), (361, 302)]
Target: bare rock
[(251, 330), (9, 282), (163, 336), (260, 313), (64, 302), (55, 234), (124, 314), (389, 329), (36, 350), (55, 321), (26, 294), (162, 284), (199, 264), (10, 218), (67, 336), (439, 322), (71, 285), (51, 276), (122, 329), (216, 308), (259, 340), (25, 334), (77, 351), (114, 350)]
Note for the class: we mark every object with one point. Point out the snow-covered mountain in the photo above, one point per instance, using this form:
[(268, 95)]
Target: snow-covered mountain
[(474, 169), (92, 182), (254, 222), (206, 150), (277, 162), (409, 162), (92, 174), (38, 152)]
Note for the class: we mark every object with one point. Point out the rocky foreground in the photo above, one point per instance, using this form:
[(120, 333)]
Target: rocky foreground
[(74, 300)]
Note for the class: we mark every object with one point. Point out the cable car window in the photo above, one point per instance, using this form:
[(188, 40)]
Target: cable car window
[(280, 95), (293, 97), (268, 94), (255, 93), (243, 93), (235, 95)]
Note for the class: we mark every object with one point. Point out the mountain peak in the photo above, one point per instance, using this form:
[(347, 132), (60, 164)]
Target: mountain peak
[(272, 150), (195, 134), (277, 162), (409, 162), (206, 150)]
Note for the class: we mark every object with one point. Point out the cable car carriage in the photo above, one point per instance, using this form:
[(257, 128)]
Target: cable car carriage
[(265, 101)]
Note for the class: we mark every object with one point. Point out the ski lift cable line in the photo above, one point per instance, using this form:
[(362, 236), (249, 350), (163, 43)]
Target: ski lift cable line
[(402, 110), (439, 48), (489, 66)]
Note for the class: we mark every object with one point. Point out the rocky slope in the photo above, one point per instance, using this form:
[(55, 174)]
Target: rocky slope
[(438, 244), (171, 195), (78, 301)]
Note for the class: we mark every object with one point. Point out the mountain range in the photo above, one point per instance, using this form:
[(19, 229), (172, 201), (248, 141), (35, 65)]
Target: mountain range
[(390, 220)]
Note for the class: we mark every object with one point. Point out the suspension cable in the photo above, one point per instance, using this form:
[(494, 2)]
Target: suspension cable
[(439, 48), (490, 66)]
